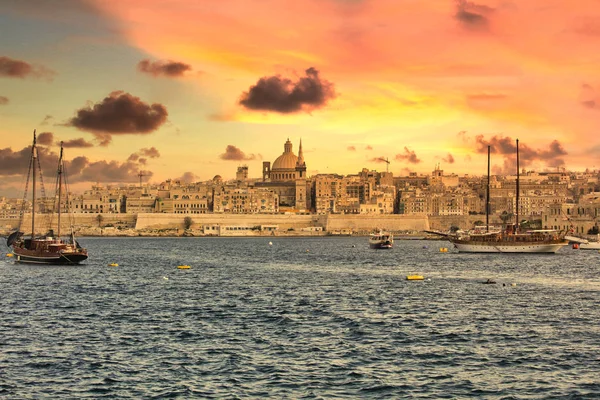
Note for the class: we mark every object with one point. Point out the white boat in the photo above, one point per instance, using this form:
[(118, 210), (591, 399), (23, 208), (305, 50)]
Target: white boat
[(587, 245), (510, 239), (381, 240)]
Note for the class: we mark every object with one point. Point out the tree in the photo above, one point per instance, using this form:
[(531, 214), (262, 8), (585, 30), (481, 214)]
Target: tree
[(99, 218), (593, 230), (187, 222)]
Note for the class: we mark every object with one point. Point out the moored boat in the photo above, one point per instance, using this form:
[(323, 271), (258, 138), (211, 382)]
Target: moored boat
[(510, 239), (46, 248)]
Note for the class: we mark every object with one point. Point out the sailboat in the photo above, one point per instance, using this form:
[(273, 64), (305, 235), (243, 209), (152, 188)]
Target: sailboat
[(47, 248), (510, 239)]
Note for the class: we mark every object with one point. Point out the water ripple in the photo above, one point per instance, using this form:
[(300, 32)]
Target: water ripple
[(337, 321)]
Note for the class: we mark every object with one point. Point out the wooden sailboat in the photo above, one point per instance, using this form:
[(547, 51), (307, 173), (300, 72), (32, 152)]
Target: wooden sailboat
[(510, 239), (47, 248)]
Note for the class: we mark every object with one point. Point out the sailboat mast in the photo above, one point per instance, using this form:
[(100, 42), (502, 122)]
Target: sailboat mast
[(59, 185), (33, 158), (487, 196), (517, 194)]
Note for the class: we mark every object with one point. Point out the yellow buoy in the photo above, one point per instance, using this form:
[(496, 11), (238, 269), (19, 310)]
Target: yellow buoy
[(443, 249), (184, 267), (414, 277), (113, 265), (9, 254)]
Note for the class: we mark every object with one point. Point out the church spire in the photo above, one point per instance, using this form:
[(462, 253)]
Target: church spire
[(300, 155)]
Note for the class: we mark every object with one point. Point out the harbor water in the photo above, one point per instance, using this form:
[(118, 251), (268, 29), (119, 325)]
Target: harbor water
[(300, 318)]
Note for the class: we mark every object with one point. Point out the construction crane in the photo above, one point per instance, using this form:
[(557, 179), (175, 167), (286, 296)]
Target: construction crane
[(141, 174), (387, 163)]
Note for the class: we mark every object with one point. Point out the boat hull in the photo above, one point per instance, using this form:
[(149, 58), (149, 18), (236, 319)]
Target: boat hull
[(380, 245), (589, 246), (50, 259), (482, 247)]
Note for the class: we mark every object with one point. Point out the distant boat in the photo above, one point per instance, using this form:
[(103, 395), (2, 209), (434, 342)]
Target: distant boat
[(510, 239), (587, 245), (381, 240), (47, 248)]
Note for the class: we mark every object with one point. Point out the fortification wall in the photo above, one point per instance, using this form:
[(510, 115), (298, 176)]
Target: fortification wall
[(155, 221), (368, 223), (80, 221)]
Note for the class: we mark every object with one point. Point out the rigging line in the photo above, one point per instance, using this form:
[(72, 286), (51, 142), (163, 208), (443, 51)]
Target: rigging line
[(70, 212), (24, 203)]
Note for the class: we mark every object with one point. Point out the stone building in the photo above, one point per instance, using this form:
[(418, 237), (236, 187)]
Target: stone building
[(287, 179)]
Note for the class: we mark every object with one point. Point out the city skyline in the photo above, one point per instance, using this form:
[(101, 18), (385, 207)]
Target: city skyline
[(192, 90)]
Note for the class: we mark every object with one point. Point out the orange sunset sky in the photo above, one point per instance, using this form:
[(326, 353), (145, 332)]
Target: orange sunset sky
[(190, 89)]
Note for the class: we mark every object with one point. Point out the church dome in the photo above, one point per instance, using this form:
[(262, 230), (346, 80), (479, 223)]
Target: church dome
[(287, 160)]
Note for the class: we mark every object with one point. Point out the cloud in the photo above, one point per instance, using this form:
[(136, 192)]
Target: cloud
[(119, 113), (221, 117), (45, 138), (3, 100), (12, 68), (150, 152), (187, 177), (351, 148), (284, 96), (449, 159), (409, 155), (234, 153), (507, 147), (47, 119), (80, 169), (168, 68), (368, 147), (77, 143), (471, 15)]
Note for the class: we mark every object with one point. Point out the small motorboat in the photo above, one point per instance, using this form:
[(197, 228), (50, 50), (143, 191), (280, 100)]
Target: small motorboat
[(381, 240)]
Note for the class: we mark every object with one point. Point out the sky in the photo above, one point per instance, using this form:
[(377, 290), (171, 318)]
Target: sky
[(191, 89)]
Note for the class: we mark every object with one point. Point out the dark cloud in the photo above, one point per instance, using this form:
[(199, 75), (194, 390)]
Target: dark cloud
[(150, 152), (79, 169), (77, 143), (449, 159), (507, 147), (409, 155), (172, 69), (45, 138), (234, 153), (3, 100), (282, 95), (351, 148), (139, 156), (119, 113), (472, 16), (12, 68)]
